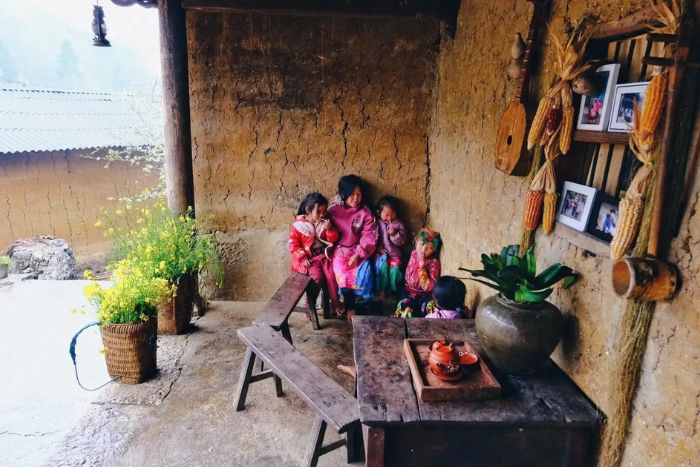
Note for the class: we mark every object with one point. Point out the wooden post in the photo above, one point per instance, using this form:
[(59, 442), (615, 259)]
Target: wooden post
[(179, 180)]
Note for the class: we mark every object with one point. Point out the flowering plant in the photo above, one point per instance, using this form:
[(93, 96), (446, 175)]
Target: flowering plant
[(134, 296), (161, 244)]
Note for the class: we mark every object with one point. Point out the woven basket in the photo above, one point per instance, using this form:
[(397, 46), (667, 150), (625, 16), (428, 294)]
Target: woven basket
[(130, 350), (174, 316)]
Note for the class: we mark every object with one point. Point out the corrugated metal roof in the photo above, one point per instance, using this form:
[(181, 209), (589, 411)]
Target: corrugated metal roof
[(50, 120)]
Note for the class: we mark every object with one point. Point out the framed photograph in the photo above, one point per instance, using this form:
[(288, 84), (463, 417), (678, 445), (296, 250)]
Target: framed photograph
[(594, 111), (576, 204), (622, 118), (604, 217)]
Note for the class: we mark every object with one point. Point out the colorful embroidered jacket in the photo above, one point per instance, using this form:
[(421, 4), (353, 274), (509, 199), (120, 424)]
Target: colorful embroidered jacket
[(421, 281), (307, 240)]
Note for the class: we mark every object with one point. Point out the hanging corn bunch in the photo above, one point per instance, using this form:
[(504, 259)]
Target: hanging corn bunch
[(541, 198), (569, 64), (654, 100), (642, 144)]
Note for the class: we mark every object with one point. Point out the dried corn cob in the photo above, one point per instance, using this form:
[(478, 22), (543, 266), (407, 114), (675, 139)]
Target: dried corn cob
[(533, 209), (627, 226), (550, 207), (567, 129), (652, 108), (538, 122)]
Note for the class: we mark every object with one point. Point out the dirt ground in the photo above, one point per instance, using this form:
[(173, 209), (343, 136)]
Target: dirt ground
[(186, 415)]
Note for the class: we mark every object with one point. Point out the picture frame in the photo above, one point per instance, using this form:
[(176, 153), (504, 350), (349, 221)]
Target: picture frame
[(604, 217), (622, 116), (594, 111), (575, 206)]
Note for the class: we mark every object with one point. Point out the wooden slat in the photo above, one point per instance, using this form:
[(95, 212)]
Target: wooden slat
[(439, 9), (280, 306), (601, 137), (384, 387), (548, 397), (337, 407)]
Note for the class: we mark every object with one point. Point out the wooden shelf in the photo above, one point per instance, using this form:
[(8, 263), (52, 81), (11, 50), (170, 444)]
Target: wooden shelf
[(601, 137), (582, 240)]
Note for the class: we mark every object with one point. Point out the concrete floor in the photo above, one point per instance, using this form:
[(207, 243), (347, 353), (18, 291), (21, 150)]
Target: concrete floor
[(39, 398), (190, 419)]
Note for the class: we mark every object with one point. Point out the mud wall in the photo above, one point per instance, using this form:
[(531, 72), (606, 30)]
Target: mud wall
[(284, 106), (60, 193), (485, 212)]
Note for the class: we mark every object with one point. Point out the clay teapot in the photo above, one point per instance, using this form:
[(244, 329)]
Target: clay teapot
[(444, 360)]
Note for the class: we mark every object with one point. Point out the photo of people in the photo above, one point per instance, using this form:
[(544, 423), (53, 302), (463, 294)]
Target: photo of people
[(573, 205), (623, 109), (604, 217), (625, 112), (594, 111), (593, 105)]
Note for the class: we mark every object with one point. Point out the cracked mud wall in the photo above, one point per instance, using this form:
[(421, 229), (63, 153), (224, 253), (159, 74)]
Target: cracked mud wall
[(284, 106), (59, 193), (478, 209)]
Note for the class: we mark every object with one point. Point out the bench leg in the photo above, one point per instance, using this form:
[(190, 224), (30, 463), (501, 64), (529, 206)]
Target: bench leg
[(278, 386), (354, 444), (315, 444), (284, 329), (313, 317), (244, 379)]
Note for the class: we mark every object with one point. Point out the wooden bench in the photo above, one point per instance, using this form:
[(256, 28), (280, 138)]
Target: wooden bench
[(333, 405), (284, 302)]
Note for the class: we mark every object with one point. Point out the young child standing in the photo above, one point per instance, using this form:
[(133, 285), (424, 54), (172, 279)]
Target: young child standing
[(392, 236), (311, 238), (448, 300), (422, 272)]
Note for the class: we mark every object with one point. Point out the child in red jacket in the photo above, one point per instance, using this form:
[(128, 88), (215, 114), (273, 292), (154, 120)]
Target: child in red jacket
[(311, 238)]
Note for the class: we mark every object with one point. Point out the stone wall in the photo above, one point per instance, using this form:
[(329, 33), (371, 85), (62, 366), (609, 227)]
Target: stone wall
[(284, 106), (478, 209), (60, 193)]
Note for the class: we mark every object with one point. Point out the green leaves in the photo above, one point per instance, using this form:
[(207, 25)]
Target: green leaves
[(516, 277)]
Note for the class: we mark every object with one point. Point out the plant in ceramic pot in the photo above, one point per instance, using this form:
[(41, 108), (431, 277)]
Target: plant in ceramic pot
[(518, 328), (127, 314), (4, 266), (168, 247)]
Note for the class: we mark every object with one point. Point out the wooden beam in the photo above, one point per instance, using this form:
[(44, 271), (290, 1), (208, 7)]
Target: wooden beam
[(178, 144), (436, 9), (634, 24)]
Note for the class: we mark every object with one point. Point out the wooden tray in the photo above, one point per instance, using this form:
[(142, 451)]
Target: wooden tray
[(477, 384)]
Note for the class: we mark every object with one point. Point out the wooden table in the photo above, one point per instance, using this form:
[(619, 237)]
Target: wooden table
[(542, 420)]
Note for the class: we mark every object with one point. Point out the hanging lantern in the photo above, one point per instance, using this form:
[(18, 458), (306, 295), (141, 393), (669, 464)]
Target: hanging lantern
[(99, 27)]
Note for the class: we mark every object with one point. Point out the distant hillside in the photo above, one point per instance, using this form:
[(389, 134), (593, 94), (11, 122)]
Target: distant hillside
[(49, 53)]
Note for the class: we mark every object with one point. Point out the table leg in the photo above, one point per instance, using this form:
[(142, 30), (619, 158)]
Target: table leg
[(374, 446)]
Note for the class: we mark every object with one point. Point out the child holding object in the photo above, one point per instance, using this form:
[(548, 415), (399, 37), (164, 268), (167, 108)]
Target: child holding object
[(311, 238), (448, 300), (357, 242), (422, 272), (392, 236)]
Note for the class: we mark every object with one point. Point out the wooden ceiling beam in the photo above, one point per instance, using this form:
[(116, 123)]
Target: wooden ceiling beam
[(409, 9)]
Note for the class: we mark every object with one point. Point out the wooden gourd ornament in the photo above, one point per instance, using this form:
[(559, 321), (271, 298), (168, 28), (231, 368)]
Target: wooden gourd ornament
[(510, 141), (515, 63)]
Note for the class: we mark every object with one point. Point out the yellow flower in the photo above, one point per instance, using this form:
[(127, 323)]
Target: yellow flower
[(118, 212), (98, 224)]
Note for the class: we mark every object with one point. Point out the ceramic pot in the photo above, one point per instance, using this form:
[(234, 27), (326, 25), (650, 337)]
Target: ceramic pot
[(443, 359), (3, 270), (516, 337)]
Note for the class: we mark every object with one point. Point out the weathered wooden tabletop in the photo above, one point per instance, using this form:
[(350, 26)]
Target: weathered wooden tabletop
[(387, 397)]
